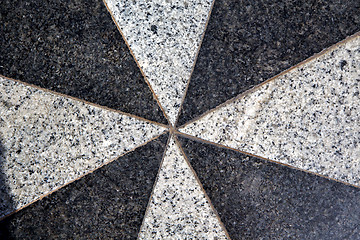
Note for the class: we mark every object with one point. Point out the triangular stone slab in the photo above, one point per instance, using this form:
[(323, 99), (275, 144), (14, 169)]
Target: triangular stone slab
[(164, 37), (258, 199), (248, 42), (49, 140), (109, 203), (74, 48), (178, 207), (308, 118)]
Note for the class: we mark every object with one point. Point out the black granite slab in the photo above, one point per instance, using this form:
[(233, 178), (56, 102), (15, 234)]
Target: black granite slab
[(258, 199), (247, 42), (109, 203), (73, 47)]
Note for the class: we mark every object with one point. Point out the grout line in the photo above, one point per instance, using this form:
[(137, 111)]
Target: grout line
[(137, 63), (300, 64), (154, 185), (82, 101), (201, 186), (263, 158), (195, 60), (89, 172)]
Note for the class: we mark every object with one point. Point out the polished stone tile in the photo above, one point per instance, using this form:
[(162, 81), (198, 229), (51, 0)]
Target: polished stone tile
[(109, 203), (308, 118), (102, 163), (73, 47), (247, 42), (178, 208), (164, 37), (258, 199), (48, 140)]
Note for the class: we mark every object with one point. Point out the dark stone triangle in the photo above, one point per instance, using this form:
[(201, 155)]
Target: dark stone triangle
[(109, 203), (74, 48), (258, 199), (247, 42)]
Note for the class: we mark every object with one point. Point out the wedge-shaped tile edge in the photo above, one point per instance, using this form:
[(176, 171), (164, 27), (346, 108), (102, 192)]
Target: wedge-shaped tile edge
[(259, 199), (109, 203), (48, 140), (248, 42), (178, 208), (308, 118), (73, 47), (164, 37)]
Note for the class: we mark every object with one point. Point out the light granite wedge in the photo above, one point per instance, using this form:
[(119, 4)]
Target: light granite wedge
[(178, 207), (49, 140), (308, 118), (164, 37)]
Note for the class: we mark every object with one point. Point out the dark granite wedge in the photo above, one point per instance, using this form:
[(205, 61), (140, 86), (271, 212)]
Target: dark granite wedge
[(73, 47), (258, 199), (109, 203), (248, 42)]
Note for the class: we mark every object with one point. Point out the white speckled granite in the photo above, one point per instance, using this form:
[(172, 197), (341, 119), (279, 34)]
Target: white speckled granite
[(164, 36), (178, 207), (49, 140), (308, 118)]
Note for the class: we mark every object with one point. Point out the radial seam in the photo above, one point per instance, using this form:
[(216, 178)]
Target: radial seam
[(201, 187), (137, 63), (260, 157), (89, 172), (241, 95), (83, 101), (194, 63)]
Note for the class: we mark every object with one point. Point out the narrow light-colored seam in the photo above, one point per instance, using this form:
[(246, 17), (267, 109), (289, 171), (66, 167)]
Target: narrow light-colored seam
[(137, 63), (202, 188), (154, 185), (83, 101), (194, 63), (89, 172), (263, 158), (241, 95)]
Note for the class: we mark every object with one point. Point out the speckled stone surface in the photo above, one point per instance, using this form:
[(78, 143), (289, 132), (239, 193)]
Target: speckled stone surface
[(247, 42), (71, 169), (48, 140), (308, 118), (164, 37), (107, 204), (257, 199), (73, 47), (178, 207)]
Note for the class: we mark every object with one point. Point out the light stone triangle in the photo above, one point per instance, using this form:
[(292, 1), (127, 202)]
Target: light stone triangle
[(47, 140), (308, 118), (178, 207), (164, 36)]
